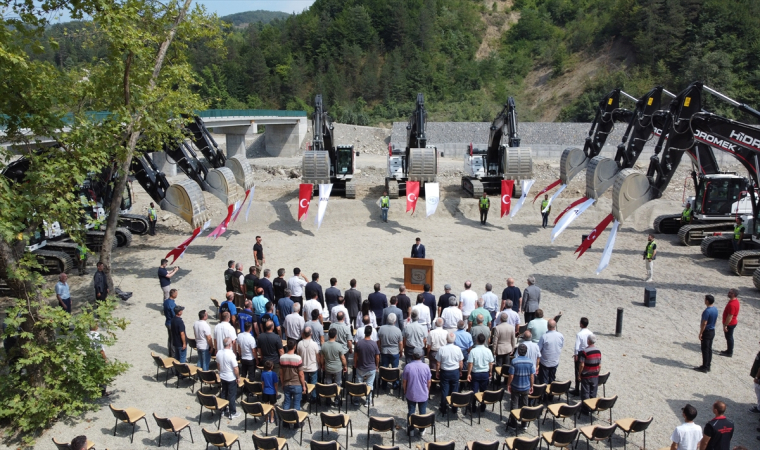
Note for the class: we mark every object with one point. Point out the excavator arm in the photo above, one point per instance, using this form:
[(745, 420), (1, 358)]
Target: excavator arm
[(199, 134)]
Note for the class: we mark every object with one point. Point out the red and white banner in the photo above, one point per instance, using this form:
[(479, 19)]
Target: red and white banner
[(546, 189), (180, 249), (507, 186), (412, 194), (585, 245), (218, 231), (569, 217), (572, 205), (304, 199), (607, 254), (239, 209)]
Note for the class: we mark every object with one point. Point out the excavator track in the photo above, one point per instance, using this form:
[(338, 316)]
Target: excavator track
[(744, 262), (717, 247), (95, 241), (755, 279), (350, 189), (472, 186), (391, 186), (667, 224), (66, 246), (55, 262), (136, 223), (694, 234)]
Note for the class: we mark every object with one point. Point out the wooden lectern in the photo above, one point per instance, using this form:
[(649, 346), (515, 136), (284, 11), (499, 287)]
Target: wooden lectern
[(417, 272)]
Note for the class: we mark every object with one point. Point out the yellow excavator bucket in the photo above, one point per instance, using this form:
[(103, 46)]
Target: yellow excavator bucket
[(223, 186), (185, 199), (242, 170)]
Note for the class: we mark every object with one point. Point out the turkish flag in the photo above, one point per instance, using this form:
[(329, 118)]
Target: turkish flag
[(412, 194), (180, 250), (546, 189), (572, 205), (585, 245), (507, 186), (304, 198)]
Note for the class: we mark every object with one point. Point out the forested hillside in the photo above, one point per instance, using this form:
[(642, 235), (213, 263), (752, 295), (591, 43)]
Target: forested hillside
[(369, 58), (244, 18)]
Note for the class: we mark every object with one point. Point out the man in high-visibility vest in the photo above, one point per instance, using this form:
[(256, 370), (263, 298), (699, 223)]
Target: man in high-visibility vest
[(484, 204), (385, 204), (650, 253), (82, 259), (686, 215), (738, 234), (545, 214), (152, 218)]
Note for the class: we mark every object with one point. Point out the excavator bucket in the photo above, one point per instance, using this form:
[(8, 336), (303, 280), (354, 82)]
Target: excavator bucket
[(223, 186), (241, 168), (316, 167), (631, 190), (572, 162), (518, 163), (185, 199), (422, 164), (600, 176)]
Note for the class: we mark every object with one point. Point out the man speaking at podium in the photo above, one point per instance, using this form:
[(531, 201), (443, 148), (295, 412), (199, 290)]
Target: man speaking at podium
[(418, 250)]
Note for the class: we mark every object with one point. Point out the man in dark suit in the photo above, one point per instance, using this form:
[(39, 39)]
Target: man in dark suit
[(393, 309), (418, 250), (331, 294), (353, 301), (313, 287), (377, 302), (265, 284)]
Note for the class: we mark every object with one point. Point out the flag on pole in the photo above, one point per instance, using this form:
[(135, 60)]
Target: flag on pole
[(432, 196), (218, 231), (585, 245), (607, 254), (507, 186), (239, 209), (324, 196), (551, 199), (250, 200), (304, 198), (546, 189), (526, 184), (571, 206), (236, 210), (569, 217), (412, 194), (178, 251)]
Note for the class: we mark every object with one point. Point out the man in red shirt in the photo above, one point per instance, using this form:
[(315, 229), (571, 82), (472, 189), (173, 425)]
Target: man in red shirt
[(729, 321)]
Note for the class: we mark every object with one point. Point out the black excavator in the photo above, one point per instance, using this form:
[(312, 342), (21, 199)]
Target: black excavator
[(418, 161), (486, 165), (324, 162)]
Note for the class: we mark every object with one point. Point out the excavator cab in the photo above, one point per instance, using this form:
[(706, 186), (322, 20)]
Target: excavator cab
[(344, 164), (721, 195)]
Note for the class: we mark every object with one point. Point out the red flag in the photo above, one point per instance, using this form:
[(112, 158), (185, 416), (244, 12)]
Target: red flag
[(304, 199), (585, 245), (234, 219), (218, 231), (179, 250), (572, 205), (412, 193), (506, 195), (547, 188)]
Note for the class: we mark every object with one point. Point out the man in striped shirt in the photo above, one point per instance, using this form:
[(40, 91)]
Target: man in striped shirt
[(589, 363), (292, 377), (520, 382)]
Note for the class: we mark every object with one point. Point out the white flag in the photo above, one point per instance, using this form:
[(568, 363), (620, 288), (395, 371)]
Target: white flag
[(250, 200), (551, 199), (432, 195), (324, 196), (526, 184), (569, 217), (608, 248)]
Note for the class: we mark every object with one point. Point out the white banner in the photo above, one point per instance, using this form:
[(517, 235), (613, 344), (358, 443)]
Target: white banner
[(608, 248), (551, 199), (569, 217), (324, 196), (432, 196), (250, 200), (526, 184)]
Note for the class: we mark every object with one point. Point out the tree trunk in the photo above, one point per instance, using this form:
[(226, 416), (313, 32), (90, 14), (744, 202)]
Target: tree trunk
[(121, 181)]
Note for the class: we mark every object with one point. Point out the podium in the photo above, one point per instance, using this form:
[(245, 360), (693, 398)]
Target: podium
[(417, 272)]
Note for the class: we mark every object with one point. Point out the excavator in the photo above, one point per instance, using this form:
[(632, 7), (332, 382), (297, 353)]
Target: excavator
[(486, 165), (324, 162), (418, 161)]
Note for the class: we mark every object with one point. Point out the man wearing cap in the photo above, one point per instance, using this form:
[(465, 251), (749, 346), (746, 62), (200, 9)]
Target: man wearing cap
[(418, 250), (443, 300), (179, 338), (416, 381), (687, 435)]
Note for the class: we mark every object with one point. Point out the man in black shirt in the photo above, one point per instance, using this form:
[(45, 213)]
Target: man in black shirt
[(511, 293), (718, 431), (249, 283), (331, 294), (429, 300), (269, 346), (228, 276), (279, 285), (258, 255), (313, 287), (443, 300), (101, 284), (238, 284), (404, 303), (179, 337)]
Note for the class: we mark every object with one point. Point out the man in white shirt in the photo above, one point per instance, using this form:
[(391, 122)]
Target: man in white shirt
[(687, 435), (229, 374), (512, 317), (490, 301), (581, 342), (310, 305), (468, 299), (294, 324), (436, 339), (451, 315), (360, 331), (341, 307), (223, 330), (296, 284), (308, 350), (423, 313), (246, 345), (203, 340)]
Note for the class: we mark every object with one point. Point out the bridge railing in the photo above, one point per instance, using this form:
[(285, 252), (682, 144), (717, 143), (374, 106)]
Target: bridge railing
[(249, 112)]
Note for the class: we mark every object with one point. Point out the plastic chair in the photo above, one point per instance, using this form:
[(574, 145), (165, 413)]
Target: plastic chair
[(560, 438), (518, 443), (526, 414), (390, 375), (597, 433), (603, 382), (358, 390), (212, 403), (174, 425), (253, 389), (67, 446), (163, 363), (597, 405), (327, 391), (481, 445), (269, 443), (501, 373), (537, 395), (459, 400), (320, 445), (256, 410), (563, 411), (130, 416), (383, 447), (421, 421), (490, 398), (559, 388), (630, 425), (187, 371), (336, 422), (192, 344), (382, 425), (292, 417), (220, 439), (208, 378), (450, 445), (216, 305)]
